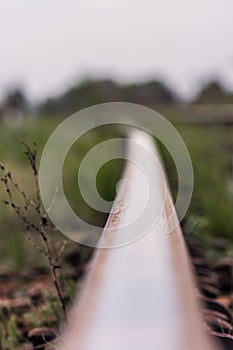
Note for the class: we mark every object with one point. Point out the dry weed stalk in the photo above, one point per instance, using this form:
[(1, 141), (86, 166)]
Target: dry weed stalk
[(42, 224)]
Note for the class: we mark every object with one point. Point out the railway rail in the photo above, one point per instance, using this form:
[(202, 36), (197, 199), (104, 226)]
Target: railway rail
[(141, 295)]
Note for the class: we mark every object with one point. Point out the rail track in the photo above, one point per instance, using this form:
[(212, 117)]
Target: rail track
[(141, 295)]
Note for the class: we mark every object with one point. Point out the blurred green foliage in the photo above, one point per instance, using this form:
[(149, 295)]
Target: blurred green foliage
[(211, 150), (14, 249), (210, 213)]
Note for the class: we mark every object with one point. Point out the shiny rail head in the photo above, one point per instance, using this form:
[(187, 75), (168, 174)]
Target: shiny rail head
[(141, 157)]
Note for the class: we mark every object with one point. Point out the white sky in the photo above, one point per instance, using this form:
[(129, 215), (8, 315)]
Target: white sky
[(46, 45)]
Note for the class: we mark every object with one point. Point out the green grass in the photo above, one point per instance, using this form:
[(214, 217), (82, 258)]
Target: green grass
[(210, 213), (15, 251), (211, 150)]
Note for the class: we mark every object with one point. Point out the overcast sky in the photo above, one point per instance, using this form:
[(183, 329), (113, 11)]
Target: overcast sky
[(45, 45)]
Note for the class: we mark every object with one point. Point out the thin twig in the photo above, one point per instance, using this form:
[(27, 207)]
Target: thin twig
[(41, 227)]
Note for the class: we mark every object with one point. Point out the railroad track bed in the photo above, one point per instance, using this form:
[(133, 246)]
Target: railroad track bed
[(215, 292), (215, 282)]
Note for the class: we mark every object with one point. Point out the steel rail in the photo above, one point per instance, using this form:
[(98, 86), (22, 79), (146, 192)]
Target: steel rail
[(142, 295)]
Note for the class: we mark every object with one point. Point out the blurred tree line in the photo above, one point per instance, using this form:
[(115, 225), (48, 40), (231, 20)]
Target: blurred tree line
[(91, 92), (14, 105)]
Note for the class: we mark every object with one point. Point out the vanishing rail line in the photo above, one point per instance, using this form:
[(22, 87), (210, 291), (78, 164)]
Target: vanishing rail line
[(142, 295)]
